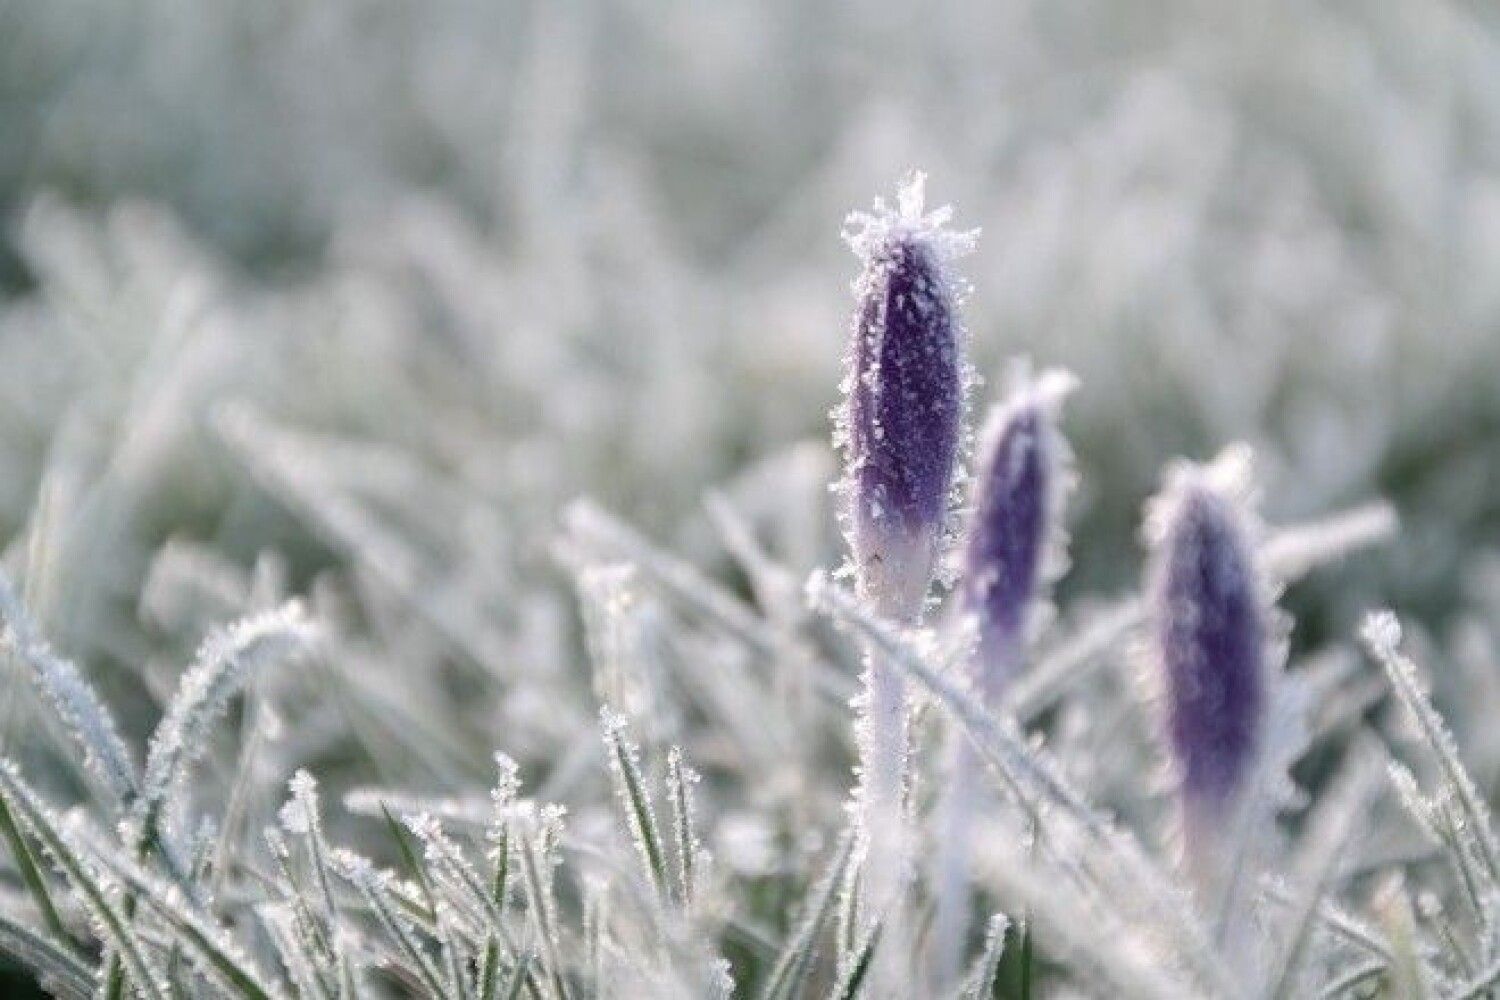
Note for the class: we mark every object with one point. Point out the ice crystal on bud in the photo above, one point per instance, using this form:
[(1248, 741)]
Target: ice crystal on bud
[(905, 384)]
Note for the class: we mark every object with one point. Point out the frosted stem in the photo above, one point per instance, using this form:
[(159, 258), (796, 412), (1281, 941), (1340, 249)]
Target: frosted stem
[(951, 878), (895, 588), (952, 866)]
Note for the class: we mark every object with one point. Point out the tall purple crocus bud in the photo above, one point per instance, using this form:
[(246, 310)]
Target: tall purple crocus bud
[(902, 429), (1211, 615), (1014, 550)]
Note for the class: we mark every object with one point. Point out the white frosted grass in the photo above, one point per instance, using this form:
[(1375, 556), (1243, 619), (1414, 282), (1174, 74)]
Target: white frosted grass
[(1438, 818), (1000, 742), (212, 947), (1353, 932), (616, 638), (301, 820), (681, 779), (624, 758), (100, 898), (444, 857), (535, 833), (58, 970), (795, 963), (1382, 636), (980, 984), (191, 585), (87, 720), (775, 587), (293, 469), (1480, 985), (856, 967), (224, 665), (720, 980), (1291, 553), (1110, 863), (1113, 954), (600, 531), (469, 810), (515, 982), (453, 968), (302, 940), (374, 887), (1330, 829), (1408, 975), (281, 925)]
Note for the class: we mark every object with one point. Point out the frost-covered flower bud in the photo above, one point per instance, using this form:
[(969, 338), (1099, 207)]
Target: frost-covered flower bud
[(1014, 546), (901, 429), (906, 383), (1211, 619)]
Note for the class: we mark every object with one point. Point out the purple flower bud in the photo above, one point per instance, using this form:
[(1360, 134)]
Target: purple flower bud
[(906, 384), (1211, 624), (901, 429), (1012, 547)]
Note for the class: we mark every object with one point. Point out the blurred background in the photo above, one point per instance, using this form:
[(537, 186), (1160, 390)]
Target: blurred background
[(593, 247), (353, 296)]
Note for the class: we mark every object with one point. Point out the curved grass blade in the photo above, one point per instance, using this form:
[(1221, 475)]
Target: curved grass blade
[(75, 702), (225, 662)]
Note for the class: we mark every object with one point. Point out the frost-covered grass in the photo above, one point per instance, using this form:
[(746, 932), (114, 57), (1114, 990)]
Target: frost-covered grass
[(1099, 798), (420, 572)]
